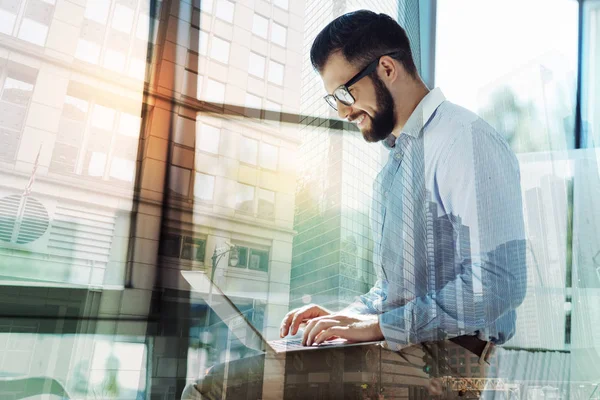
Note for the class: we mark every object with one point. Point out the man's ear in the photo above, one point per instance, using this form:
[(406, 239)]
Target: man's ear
[(390, 69)]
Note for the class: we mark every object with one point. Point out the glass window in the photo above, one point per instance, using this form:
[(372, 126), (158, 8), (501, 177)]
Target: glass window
[(103, 117), (122, 169), (225, 10), (256, 65), (122, 19), (219, 50), (87, 51), (215, 91), (522, 82), (7, 22), (203, 43), (268, 156), (206, 5), (114, 60), (204, 186), (179, 180), (193, 249), (17, 91), (207, 138), (275, 72), (281, 3), (97, 11), (258, 260), (33, 32), (75, 108), (248, 150), (266, 203), (244, 200), (129, 125), (95, 164), (278, 34), (260, 26)]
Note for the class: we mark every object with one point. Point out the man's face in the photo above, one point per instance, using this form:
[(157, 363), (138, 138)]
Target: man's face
[(374, 108)]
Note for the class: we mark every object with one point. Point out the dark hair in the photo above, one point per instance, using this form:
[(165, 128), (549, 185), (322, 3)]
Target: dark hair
[(362, 36)]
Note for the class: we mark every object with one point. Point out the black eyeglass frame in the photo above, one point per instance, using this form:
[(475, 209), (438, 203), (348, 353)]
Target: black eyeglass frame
[(332, 99)]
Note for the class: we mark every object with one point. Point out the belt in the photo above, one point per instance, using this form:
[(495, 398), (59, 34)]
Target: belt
[(480, 348)]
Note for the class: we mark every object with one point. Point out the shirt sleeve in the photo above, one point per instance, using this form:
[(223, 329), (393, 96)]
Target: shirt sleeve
[(370, 302), (479, 187)]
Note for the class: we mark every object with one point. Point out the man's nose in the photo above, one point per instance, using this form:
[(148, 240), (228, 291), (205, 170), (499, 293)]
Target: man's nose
[(343, 110)]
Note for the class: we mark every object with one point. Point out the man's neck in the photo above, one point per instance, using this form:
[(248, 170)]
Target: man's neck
[(411, 97)]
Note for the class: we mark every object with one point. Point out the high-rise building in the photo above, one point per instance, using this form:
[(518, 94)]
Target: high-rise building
[(333, 249)]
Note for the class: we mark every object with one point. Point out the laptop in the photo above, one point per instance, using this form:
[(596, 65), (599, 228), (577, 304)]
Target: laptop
[(243, 329)]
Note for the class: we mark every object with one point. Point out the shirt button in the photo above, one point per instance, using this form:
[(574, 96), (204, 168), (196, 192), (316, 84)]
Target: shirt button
[(386, 193), (398, 156)]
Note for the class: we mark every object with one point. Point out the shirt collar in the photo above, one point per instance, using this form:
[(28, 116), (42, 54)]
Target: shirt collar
[(419, 117)]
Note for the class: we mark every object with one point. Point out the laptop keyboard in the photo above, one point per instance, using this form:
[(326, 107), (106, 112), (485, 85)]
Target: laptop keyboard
[(286, 344)]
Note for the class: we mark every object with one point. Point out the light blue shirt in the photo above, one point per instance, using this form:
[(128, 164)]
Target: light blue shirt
[(448, 231)]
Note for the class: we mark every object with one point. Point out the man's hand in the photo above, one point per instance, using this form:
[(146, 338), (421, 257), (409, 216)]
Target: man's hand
[(352, 327), (292, 320)]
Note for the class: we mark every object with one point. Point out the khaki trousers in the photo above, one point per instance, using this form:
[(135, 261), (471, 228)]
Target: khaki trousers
[(434, 370)]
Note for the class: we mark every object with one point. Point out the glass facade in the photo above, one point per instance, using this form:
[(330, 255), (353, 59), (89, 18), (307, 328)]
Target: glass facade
[(149, 148)]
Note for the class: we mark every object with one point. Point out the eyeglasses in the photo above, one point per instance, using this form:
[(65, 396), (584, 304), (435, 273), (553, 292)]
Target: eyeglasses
[(342, 93)]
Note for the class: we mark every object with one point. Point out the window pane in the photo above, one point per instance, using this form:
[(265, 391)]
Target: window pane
[(278, 34), (97, 10), (206, 5), (17, 91), (129, 125), (33, 32), (122, 169), (95, 163), (281, 3), (220, 50), (207, 138), (87, 51), (521, 81), (203, 43), (204, 186), (114, 60), (260, 26), (193, 249), (275, 73), (122, 19), (75, 108), (268, 156), (242, 257), (256, 65), (248, 150), (245, 198), (103, 117), (266, 203), (225, 10), (179, 180), (7, 22), (259, 260), (215, 91)]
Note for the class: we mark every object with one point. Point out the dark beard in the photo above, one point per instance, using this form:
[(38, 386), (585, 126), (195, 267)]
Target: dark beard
[(384, 121)]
